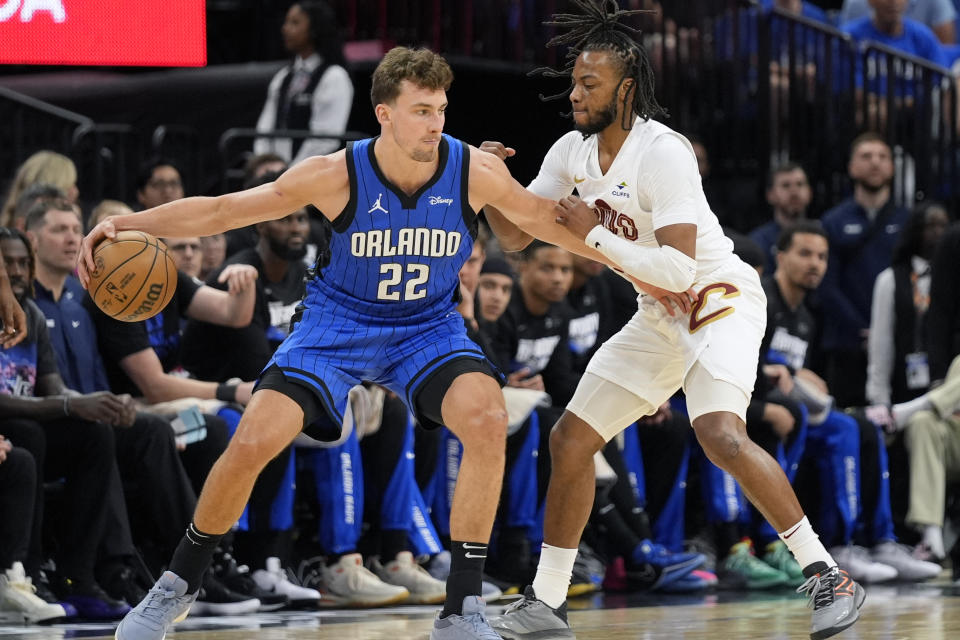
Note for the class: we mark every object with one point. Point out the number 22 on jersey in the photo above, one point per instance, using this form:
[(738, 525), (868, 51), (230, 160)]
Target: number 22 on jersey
[(413, 289)]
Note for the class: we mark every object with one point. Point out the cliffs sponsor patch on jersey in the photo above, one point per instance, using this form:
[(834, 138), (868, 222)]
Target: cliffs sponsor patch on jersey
[(386, 243)]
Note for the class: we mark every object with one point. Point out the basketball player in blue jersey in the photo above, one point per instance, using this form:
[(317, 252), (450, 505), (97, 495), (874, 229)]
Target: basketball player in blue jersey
[(382, 309)]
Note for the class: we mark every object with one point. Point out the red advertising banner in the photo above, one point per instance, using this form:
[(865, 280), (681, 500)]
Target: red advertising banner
[(150, 33)]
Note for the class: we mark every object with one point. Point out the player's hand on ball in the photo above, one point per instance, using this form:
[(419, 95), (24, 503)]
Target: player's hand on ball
[(85, 263), (240, 278), (498, 149), (574, 214)]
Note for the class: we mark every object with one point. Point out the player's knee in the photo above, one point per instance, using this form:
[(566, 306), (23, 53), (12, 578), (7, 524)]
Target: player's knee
[(485, 430), (249, 454), (573, 444), (722, 441)]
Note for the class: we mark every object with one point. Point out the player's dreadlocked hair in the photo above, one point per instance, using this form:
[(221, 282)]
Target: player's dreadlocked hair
[(598, 28)]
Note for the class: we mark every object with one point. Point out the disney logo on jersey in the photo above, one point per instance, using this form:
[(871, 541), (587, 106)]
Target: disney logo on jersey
[(620, 191), (440, 200), (616, 222)]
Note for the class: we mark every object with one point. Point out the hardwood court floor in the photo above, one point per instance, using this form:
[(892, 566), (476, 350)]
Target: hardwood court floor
[(926, 612)]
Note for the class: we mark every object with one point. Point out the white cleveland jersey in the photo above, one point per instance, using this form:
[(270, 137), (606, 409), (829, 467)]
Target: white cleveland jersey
[(652, 183)]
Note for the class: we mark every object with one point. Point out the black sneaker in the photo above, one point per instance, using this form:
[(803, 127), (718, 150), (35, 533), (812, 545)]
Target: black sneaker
[(215, 599), (238, 579), (45, 593), (121, 584), (91, 601)]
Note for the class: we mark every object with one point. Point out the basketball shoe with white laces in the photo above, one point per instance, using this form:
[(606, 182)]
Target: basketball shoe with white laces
[(530, 618), (166, 603), (403, 571), (19, 601), (349, 584), (834, 597)]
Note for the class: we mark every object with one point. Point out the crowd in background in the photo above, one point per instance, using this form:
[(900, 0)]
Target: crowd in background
[(109, 428)]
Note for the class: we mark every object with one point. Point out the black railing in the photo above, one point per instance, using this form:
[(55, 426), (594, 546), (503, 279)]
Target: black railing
[(235, 145)]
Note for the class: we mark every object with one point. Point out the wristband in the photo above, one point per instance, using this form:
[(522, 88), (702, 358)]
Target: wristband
[(226, 392)]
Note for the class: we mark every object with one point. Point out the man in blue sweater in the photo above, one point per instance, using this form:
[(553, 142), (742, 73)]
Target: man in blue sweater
[(863, 231)]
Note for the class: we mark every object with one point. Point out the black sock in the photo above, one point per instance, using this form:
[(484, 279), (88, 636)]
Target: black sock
[(392, 542), (193, 556), (615, 531), (466, 575), (727, 534)]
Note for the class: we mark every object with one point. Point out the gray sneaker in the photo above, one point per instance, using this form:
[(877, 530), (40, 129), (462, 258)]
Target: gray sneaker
[(471, 625), (835, 599), (167, 602), (532, 619)]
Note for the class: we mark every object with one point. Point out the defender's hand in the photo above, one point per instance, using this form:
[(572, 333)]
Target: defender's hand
[(574, 214), (85, 263), (497, 149)]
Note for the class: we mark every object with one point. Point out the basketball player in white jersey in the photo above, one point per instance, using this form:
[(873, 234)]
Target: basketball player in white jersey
[(642, 206)]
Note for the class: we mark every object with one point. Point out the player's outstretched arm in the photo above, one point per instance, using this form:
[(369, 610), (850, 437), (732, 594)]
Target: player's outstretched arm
[(491, 185), (320, 180)]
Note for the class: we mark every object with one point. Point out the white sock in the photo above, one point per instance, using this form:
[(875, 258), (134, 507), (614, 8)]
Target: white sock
[(933, 538), (553, 574), (805, 545), (905, 410)]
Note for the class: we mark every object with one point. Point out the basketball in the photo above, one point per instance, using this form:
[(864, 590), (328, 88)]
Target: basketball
[(135, 277)]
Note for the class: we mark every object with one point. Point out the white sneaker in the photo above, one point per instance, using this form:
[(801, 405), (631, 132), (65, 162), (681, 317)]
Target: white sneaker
[(349, 584), (274, 579), (861, 567), (439, 568), (403, 571), (908, 568), (19, 601)]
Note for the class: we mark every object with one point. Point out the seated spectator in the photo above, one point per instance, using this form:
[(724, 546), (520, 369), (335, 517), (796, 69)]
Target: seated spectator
[(158, 182), (69, 436), (31, 195), (938, 15), (889, 25), (104, 210), (494, 288), (214, 251), (933, 441), (187, 254), (260, 164), (789, 194), (214, 352), (18, 478), (863, 231), (312, 93), (531, 338), (898, 367), (46, 167), (943, 316), (160, 498)]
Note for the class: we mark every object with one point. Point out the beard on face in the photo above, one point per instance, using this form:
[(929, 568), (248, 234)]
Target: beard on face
[(597, 123), (873, 187), (285, 252)]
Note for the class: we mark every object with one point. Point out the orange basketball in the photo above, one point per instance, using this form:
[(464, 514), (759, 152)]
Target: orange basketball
[(135, 276)]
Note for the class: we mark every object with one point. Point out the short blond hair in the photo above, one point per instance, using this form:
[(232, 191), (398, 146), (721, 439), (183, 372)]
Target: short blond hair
[(422, 67), (43, 166), (106, 209)]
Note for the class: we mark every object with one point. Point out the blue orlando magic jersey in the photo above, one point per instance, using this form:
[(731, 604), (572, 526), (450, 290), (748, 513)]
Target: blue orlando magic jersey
[(397, 256)]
